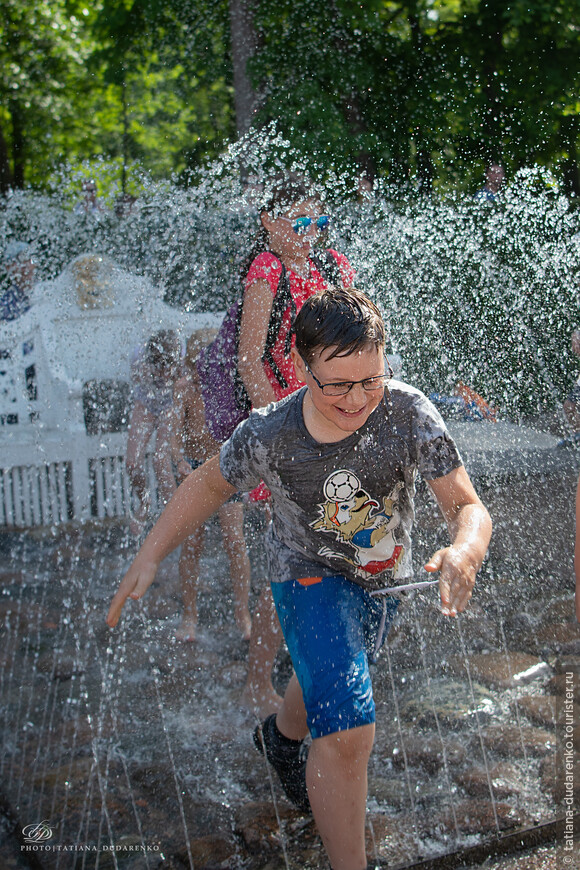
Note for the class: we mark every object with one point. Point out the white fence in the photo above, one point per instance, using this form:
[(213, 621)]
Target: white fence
[(80, 478), (65, 392)]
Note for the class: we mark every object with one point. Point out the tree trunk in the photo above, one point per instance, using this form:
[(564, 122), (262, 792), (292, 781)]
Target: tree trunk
[(425, 167), (17, 143), (357, 125), (351, 109), (243, 47), (568, 133), (423, 157), (6, 180), (125, 139), (494, 109)]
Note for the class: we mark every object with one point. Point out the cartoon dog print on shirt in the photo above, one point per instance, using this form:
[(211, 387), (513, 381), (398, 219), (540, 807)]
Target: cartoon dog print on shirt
[(354, 517)]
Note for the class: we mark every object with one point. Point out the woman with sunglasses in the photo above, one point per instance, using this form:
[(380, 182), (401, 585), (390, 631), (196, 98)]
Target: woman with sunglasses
[(291, 224), (292, 221)]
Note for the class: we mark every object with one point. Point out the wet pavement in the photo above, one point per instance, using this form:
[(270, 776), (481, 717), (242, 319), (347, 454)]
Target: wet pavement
[(127, 749)]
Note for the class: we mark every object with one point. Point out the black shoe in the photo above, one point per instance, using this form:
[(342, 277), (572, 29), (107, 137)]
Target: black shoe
[(288, 758)]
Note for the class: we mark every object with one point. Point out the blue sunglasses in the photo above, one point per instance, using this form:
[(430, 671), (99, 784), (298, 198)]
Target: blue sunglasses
[(301, 224)]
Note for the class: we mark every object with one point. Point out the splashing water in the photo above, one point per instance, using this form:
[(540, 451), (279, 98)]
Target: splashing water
[(129, 749), (484, 293)]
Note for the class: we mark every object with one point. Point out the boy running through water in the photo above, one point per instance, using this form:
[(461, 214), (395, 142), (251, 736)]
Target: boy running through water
[(340, 457)]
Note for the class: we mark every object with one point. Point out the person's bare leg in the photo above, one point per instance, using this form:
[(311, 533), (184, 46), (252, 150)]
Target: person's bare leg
[(162, 459), (191, 551), (291, 718), (232, 524), (259, 694), (141, 427), (336, 777)]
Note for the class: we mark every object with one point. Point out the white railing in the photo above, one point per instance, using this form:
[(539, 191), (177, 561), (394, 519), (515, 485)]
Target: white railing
[(63, 365), (78, 478)]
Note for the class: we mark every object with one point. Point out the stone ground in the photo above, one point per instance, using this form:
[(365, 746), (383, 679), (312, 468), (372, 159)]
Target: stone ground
[(131, 739), (553, 857)]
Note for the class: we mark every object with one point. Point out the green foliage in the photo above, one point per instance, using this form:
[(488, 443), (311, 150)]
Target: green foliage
[(476, 291), (168, 101), (423, 92), (124, 80), (43, 50)]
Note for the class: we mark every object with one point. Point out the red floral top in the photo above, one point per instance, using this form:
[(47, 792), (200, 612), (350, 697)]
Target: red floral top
[(267, 267)]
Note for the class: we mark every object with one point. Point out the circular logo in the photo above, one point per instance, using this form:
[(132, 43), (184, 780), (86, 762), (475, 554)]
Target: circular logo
[(37, 833)]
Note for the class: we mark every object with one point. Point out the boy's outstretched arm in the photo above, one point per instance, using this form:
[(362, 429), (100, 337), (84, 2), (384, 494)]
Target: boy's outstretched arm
[(199, 496), (577, 552), (469, 527)]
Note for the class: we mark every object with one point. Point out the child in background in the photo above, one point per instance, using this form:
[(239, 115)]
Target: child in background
[(191, 445), (340, 457), (154, 369), (15, 300)]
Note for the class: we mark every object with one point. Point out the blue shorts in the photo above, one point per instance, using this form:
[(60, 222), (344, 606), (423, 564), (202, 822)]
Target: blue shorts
[(333, 628)]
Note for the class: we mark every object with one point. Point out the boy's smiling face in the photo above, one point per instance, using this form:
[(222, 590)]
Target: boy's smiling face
[(332, 418)]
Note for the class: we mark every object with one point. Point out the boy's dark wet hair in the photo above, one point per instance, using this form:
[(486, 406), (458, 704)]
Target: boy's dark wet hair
[(345, 320)]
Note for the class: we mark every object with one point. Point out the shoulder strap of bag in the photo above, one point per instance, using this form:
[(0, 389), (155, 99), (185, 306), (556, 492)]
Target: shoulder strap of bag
[(282, 301), (328, 267)]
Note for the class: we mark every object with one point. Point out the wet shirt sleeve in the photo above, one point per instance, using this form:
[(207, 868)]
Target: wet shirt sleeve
[(242, 457), (436, 451)]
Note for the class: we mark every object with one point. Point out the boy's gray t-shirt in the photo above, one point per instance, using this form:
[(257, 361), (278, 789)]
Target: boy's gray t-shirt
[(346, 507)]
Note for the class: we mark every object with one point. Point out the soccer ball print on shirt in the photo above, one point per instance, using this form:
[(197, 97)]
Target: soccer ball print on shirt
[(351, 514)]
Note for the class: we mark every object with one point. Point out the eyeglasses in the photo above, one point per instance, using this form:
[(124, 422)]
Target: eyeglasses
[(301, 225), (343, 387)]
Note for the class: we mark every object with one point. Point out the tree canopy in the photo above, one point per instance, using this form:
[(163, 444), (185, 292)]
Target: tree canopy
[(421, 92)]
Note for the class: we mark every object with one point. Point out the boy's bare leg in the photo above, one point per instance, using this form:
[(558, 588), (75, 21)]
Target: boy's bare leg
[(191, 550), (259, 694), (291, 718), (232, 524), (336, 776)]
